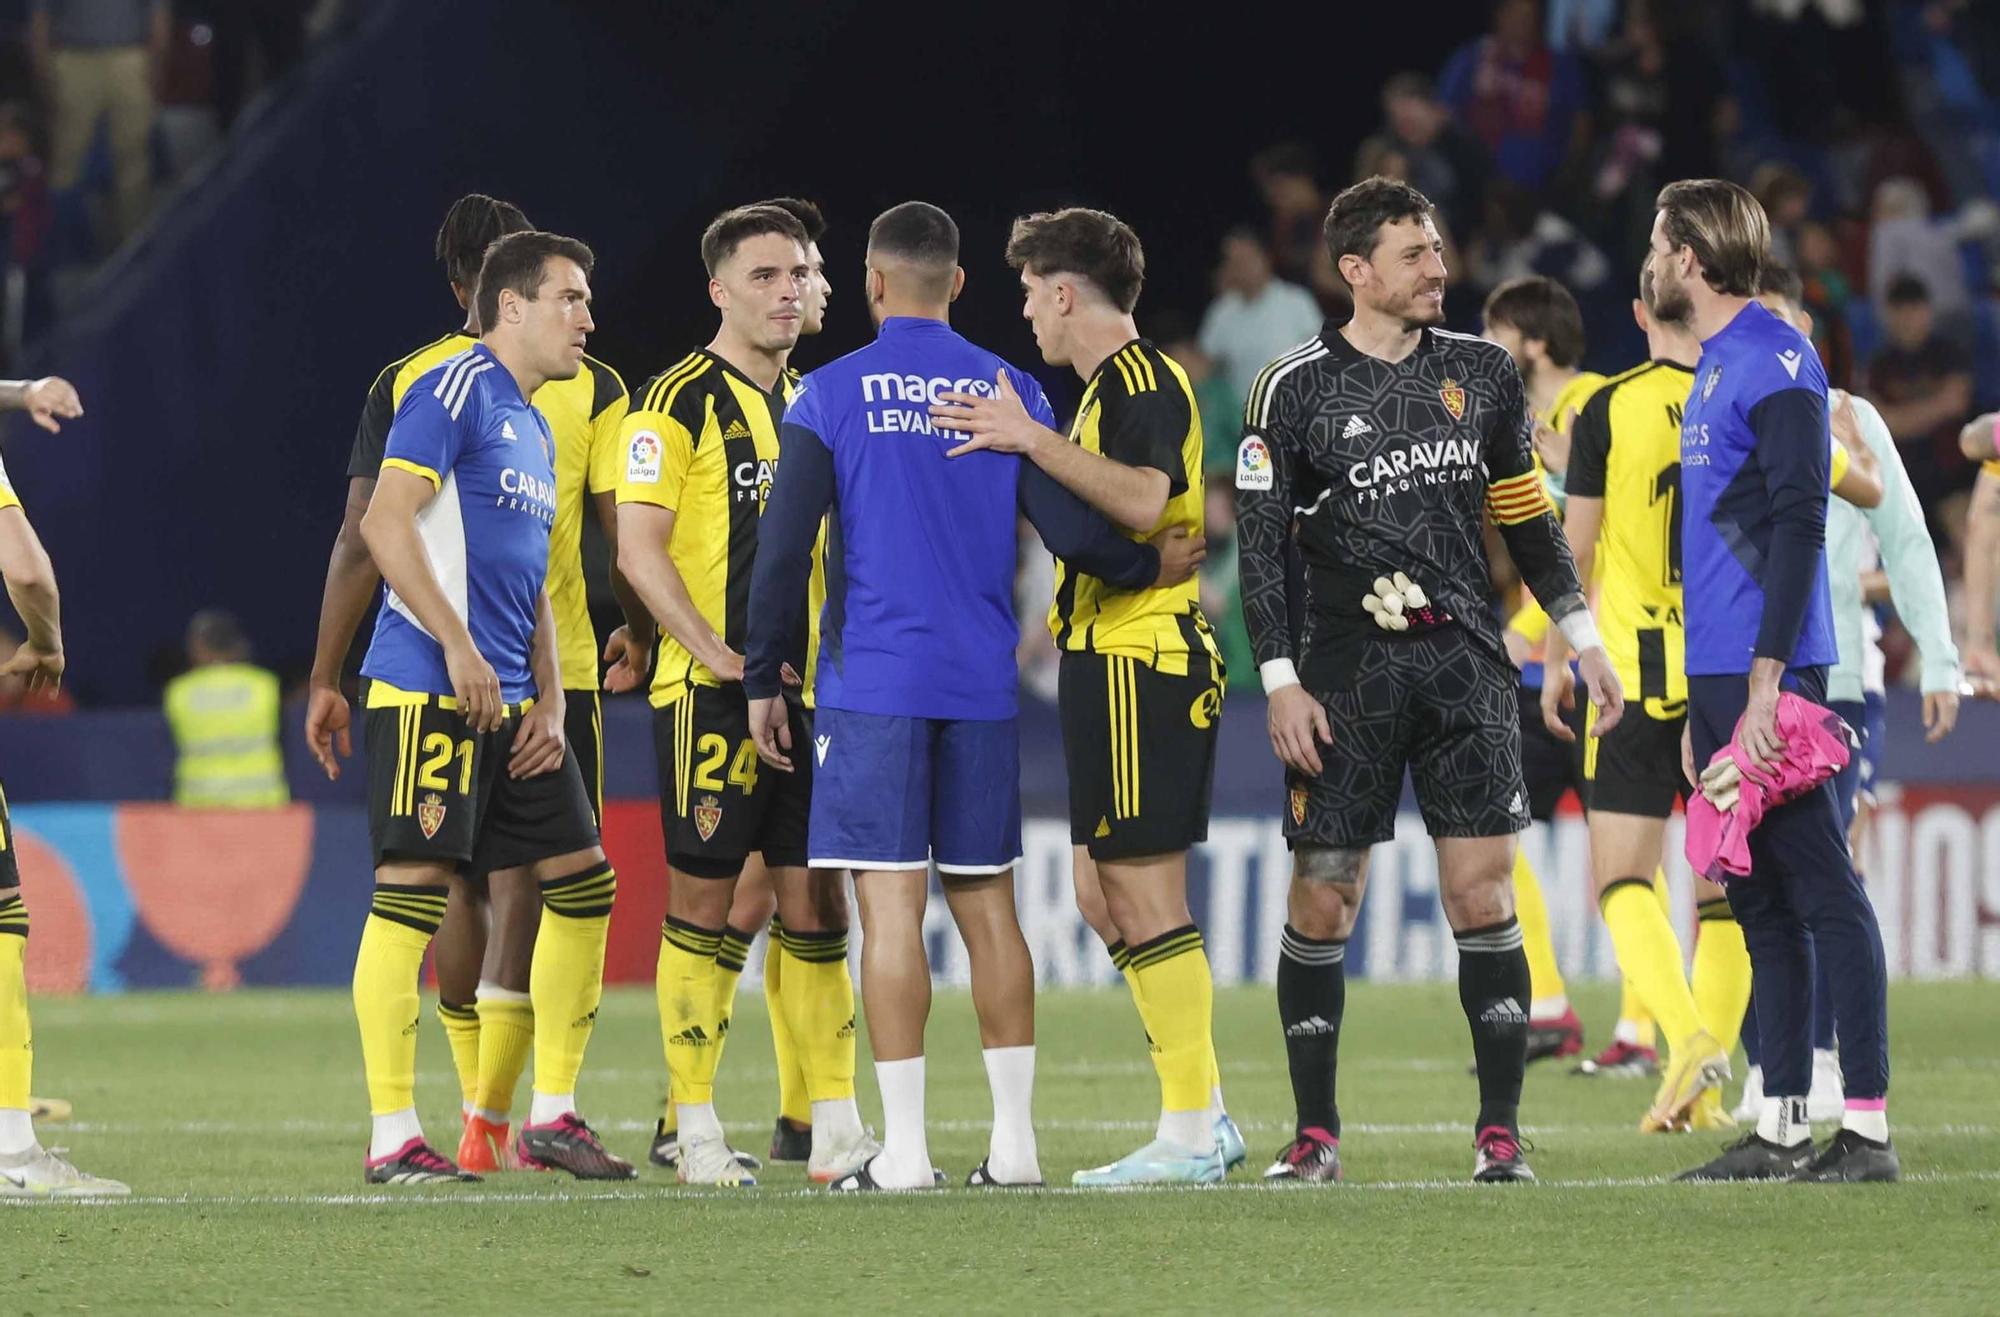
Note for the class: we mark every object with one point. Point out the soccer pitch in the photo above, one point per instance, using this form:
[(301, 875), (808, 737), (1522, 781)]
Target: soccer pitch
[(239, 1121)]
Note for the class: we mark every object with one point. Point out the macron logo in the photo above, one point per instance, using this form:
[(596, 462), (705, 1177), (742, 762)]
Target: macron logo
[(820, 747), (1790, 361), (1356, 427)]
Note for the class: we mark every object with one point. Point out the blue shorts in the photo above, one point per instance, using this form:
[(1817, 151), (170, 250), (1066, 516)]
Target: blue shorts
[(901, 793), (1856, 782)]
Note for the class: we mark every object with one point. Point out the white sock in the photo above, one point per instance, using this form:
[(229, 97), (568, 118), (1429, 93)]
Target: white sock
[(1870, 1125), (1784, 1122), (548, 1108), (1627, 1033), (1193, 1130), (1010, 1073), (1548, 1008), (495, 1117), (905, 1162), (17, 1130), (468, 1109), (835, 1122), (392, 1132), (698, 1121), (1215, 1106)]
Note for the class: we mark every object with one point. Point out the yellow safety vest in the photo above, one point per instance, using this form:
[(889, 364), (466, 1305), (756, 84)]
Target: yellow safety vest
[(225, 724)]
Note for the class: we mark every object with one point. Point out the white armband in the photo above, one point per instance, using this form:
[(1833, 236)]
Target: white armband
[(1579, 628), (1277, 674)]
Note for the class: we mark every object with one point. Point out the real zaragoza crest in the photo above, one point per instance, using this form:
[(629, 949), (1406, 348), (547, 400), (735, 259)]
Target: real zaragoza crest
[(430, 814), (707, 817), (1454, 398)]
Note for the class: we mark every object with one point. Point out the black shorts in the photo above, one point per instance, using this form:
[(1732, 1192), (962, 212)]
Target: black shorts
[(583, 725), (10, 868), (1636, 767), (439, 791), (1140, 748), (1549, 766), (718, 800), (1440, 704)]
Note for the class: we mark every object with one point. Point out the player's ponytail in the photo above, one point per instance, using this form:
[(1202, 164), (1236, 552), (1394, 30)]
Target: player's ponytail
[(470, 226)]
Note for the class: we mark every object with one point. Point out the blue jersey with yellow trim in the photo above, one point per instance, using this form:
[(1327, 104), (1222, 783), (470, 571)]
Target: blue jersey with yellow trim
[(490, 455)]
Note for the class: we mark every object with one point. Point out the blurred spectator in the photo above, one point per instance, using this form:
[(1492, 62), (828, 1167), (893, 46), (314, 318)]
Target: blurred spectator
[(1905, 240), (24, 224), (1217, 401), (1444, 162), (1522, 99), (14, 696), (1828, 295), (224, 715), (1287, 176), (1581, 25), (1786, 195), (101, 61), (1921, 382), (1221, 590), (1255, 316), (1520, 237), (1633, 98)]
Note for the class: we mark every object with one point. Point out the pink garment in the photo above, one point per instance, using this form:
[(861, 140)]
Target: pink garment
[(1817, 745)]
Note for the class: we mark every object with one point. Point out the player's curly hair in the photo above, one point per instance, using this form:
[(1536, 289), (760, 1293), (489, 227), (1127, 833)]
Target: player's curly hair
[(1354, 221), (520, 261), (734, 227), (1726, 228), (470, 227), (1092, 243)]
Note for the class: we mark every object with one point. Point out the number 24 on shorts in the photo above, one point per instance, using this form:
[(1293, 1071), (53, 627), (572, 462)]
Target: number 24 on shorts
[(711, 749)]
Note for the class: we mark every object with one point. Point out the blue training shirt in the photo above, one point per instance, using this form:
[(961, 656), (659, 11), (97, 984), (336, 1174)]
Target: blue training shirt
[(1755, 453), (466, 428), (921, 549)]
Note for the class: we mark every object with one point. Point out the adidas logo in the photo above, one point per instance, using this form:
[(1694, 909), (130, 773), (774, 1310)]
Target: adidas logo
[(1356, 426), (846, 1030), (411, 1031), (1790, 361), (584, 1021), (1103, 828), (736, 430), (1505, 1011), (507, 430), (1514, 805), (692, 1036), (1311, 1027)]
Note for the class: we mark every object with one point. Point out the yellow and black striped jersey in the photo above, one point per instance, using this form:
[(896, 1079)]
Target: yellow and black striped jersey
[(584, 414), (1139, 409), (8, 498), (702, 442), (1625, 448), (1529, 621)]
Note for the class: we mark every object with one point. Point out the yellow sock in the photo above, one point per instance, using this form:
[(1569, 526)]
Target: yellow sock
[(401, 922), (1633, 1015), (685, 985), (819, 1009), (1177, 1001), (506, 1038), (461, 1030), (1650, 956), (1544, 975), (1721, 971), (729, 961), (17, 1053), (794, 1103), (566, 980)]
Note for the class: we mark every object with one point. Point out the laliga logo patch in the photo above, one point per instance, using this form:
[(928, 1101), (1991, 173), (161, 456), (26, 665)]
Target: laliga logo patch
[(642, 459), (430, 814), (1708, 387), (707, 817), (1253, 464), (1453, 398), (1299, 806)]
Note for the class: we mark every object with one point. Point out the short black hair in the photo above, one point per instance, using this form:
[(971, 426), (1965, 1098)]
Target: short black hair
[(520, 261), (1354, 221), (1906, 289), (1092, 243), (917, 232), (809, 216), (733, 227), (1537, 307), (469, 228), (1783, 281), (218, 632)]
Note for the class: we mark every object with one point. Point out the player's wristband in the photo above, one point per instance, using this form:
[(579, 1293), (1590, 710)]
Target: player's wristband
[(1277, 674), (1579, 628)]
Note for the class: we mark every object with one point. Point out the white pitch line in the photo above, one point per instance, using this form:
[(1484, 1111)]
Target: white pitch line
[(474, 1198)]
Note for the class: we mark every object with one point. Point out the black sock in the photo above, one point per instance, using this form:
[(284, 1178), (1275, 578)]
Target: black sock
[(1312, 995), (1492, 987)]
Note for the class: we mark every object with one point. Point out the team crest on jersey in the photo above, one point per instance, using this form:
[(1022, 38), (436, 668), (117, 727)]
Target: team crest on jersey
[(642, 459), (1708, 385), (430, 814), (1253, 464), (1299, 806), (1453, 398), (707, 817)]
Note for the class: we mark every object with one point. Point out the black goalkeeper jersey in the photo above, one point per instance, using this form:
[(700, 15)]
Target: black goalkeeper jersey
[(1384, 467)]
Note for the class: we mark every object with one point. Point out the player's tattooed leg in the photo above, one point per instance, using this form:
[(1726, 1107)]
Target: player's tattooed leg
[(1327, 885)]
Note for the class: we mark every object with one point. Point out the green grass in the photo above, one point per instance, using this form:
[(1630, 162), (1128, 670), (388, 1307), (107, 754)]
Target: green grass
[(239, 1122)]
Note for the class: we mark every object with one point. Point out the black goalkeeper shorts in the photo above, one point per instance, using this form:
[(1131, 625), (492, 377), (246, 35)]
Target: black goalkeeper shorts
[(1439, 704)]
